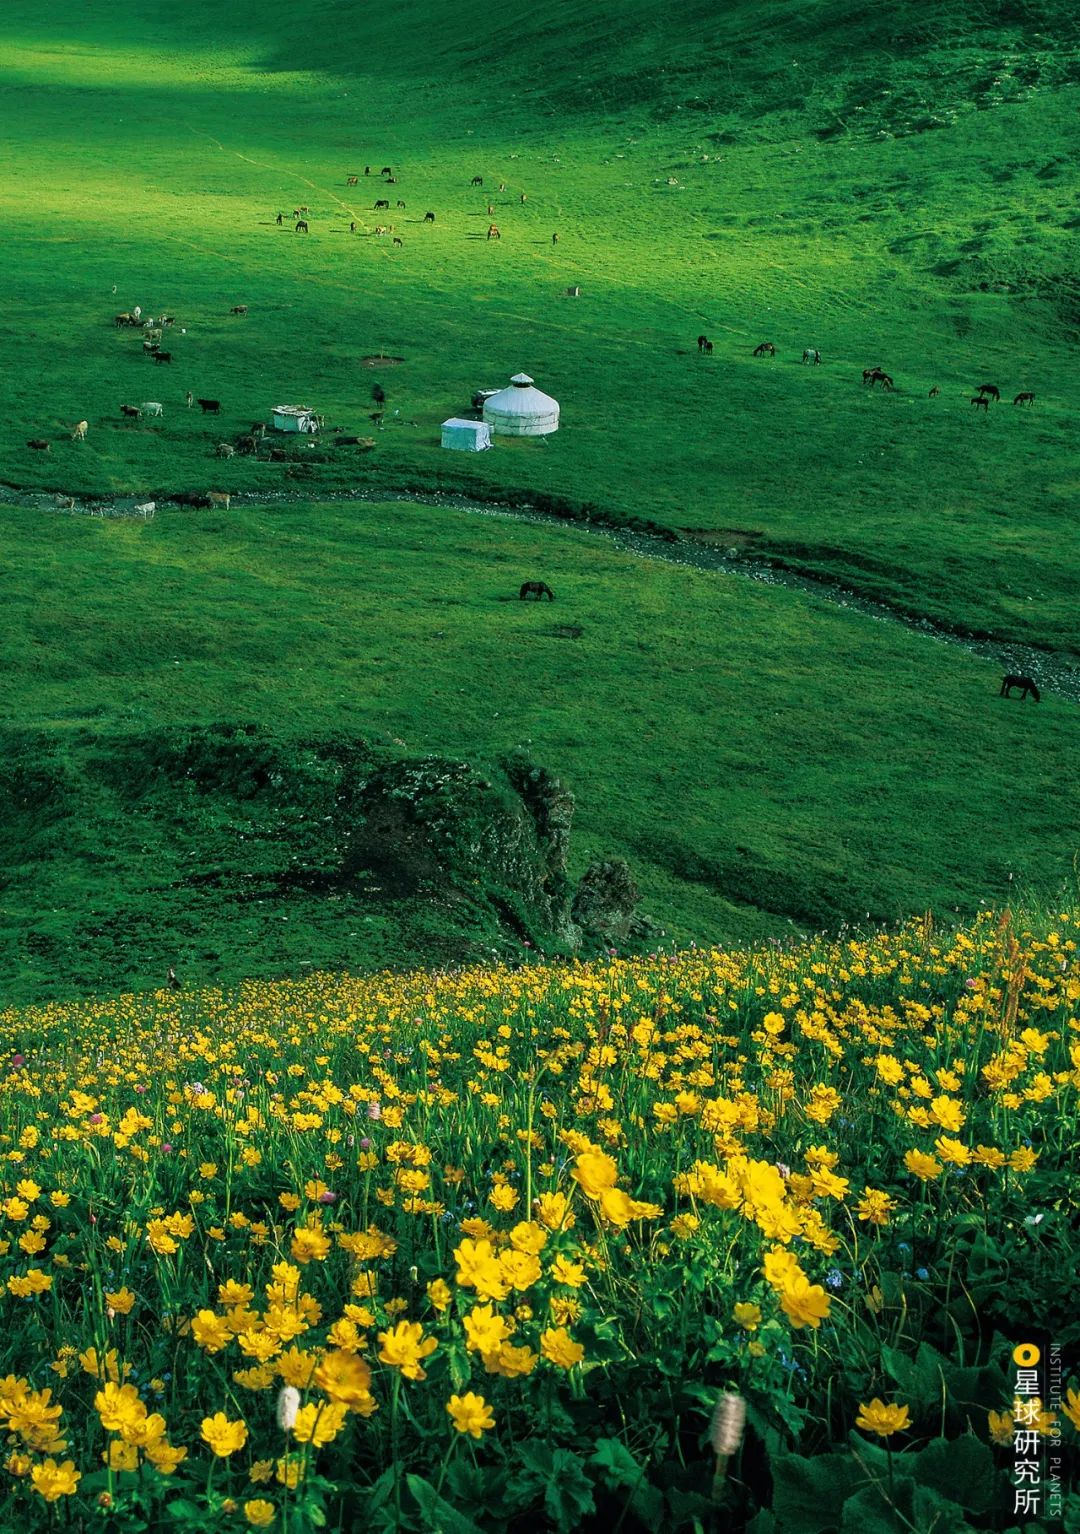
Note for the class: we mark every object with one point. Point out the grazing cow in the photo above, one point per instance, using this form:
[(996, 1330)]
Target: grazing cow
[(40, 444), (523, 197), (226, 450), (383, 202), (980, 399), (429, 218), (934, 392), (210, 406), (390, 181), (554, 239), (131, 411), (301, 227), (1026, 398), (151, 407), (491, 210), (378, 394), (281, 218), (239, 309), (1025, 684), (766, 349), (537, 589), (353, 181), (162, 356), (151, 346), (278, 455), (258, 428), (573, 292), (168, 319), (367, 170), (121, 320), (399, 204), (990, 390), (79, 432), (220, 498), (398, 241), (477, 181), (386, 171), (701, 343), (811, 354), (147, 508), (248, 445), (493, 232)]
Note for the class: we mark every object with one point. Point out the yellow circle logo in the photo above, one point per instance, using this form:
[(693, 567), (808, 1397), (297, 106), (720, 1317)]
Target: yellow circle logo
[(1026, 1355)]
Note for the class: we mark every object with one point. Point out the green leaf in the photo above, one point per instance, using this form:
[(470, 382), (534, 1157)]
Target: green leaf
[(961, 1469), (763, 1522), (439, 1516), (567, 1489), (808, 1494), (181, 1510), (932, 1511), (617, 1466), (869, 1511)]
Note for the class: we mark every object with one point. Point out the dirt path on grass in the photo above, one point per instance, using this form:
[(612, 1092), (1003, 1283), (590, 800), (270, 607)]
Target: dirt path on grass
[(1053, 673)]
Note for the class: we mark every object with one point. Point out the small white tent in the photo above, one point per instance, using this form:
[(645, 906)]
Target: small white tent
[(521, 410), (465, 436), (295, 418)]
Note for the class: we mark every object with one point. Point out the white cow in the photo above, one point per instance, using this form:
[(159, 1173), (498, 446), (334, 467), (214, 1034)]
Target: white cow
[(79, 432), (150, 407), (147, 508)]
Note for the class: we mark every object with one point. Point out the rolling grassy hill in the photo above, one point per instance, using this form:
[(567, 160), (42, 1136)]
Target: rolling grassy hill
[(891, 187)]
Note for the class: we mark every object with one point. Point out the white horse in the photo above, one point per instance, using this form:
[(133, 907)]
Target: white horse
[(811, 354)]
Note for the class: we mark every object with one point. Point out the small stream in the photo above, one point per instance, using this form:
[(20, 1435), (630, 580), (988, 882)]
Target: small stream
[(1052, 673)]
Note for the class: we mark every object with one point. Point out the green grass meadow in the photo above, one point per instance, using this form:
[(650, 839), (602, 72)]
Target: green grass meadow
[(895, 189)]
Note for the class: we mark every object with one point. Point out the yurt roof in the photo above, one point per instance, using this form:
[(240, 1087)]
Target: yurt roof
[(522, 398)]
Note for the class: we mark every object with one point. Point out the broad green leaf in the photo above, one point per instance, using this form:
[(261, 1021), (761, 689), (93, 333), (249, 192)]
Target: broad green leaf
[(439, 1516), (961, 1469)]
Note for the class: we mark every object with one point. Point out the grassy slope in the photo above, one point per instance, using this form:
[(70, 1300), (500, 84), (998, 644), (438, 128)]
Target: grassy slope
[(862, 209), (757, 755), (909, 207)]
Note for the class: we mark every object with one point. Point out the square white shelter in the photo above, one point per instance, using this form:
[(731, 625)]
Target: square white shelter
[(466, 436)]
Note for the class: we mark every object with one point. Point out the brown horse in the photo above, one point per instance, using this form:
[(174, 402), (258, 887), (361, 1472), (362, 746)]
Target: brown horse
[(766, 349), (980, 399), (1026, 398), (990, 390), (493, 232)]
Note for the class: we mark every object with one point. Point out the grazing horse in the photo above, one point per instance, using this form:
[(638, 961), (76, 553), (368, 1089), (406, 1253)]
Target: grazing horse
[(352, 181), (210, 406), (239, 309), (280, 218), (871, 375), (398, 241), (811, 354), (980, 399), (383, 202), (132, 411), (151, 407), (1026, 398), (493, 232), (886, 382), (79, 432), (429, 218), (766, 349), (40, 444), (1025, 684), (537, 589), (477, 181), (378, 394), (554, 239), (990, 390), (301, 226), (162, 356), (701, 340), (934, 392), (386, 171), (400, 205)]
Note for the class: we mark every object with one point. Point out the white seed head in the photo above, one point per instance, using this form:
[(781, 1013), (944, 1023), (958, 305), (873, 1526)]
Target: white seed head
[(288, 1404), (728, 1421)]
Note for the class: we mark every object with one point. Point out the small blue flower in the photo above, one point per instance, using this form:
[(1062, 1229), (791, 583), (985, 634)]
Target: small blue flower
[(834, 1278), (923, 1273)]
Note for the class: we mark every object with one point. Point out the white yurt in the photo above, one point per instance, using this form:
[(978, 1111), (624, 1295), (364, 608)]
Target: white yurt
[(521, 410), (465, 436)]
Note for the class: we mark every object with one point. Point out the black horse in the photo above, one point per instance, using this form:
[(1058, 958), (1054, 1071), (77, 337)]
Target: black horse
[(1025, 684), (537, 589), (766, 349)]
